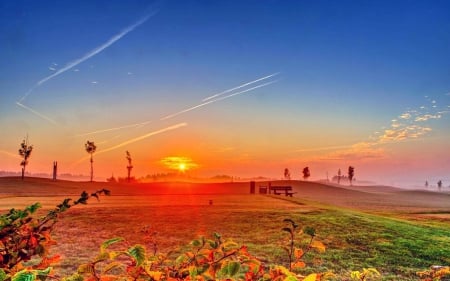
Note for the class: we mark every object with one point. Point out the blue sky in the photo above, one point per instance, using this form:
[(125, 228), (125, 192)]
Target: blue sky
[(346, 70)]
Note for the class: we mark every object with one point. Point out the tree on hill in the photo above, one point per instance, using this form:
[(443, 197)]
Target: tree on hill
[(306, 173), (351, 174), (439, 184), (25, 151), (130, 166), (287, 174), (91, 148)]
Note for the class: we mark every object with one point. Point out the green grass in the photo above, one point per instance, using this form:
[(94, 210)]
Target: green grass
[(396, 244), (354, 240), (398, 249)]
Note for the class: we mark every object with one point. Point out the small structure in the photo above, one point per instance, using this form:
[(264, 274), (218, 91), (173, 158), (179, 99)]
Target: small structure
[(278, 190)]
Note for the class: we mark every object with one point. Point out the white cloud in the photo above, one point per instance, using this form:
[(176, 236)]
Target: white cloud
[(426, 117), (405, 115)]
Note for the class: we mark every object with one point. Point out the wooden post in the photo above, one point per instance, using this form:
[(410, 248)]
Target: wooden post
[(55, 169)]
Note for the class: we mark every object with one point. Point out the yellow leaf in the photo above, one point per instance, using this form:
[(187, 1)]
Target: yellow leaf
[(318, 245), (298, 253), (311, 277), (156, 275)]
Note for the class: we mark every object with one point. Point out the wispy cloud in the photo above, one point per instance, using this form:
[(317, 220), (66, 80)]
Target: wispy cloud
[(408, 126), (240, 86), (216, 100), (136, 125), (10, 154), (427, 117), (37, 113), (323, 148), (90, 54), (356, 152)]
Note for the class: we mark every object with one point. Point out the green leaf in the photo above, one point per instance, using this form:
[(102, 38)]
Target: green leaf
[(3, 275), (233, 268), (138, 253), (309, 230), (109, 242), (292, 278), (43, 274), (33, 208), (24, 275), (196, 243)]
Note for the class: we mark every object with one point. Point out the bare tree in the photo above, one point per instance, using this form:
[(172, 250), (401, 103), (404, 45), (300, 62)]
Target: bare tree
[(130, 166), (91, 148), (287, 174), (351, 174), (306, 173), (25, 151), (439, 184)]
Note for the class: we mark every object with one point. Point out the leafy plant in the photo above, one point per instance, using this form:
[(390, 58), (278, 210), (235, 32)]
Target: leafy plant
[(435, 273), (365, 275), (296, 254), (27, 239)]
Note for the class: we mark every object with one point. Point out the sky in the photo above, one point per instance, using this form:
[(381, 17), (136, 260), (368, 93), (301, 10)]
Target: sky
[(239, 88)]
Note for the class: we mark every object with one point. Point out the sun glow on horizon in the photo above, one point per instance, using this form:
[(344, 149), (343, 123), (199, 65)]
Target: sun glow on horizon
[(179, 163), (182, 167)]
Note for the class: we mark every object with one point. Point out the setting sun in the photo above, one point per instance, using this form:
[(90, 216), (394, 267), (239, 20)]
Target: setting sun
[(179, 163), (182, 167)]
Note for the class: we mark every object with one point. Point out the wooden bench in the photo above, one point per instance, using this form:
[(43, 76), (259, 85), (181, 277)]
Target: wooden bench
[(278, 190)]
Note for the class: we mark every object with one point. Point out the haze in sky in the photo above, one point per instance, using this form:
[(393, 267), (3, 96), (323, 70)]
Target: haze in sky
[(242, 88)]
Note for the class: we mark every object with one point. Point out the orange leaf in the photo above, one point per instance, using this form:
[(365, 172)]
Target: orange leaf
[(298, 253), (298, 264)]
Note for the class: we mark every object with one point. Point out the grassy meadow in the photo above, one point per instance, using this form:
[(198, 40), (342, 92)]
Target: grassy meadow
[(396, 231)]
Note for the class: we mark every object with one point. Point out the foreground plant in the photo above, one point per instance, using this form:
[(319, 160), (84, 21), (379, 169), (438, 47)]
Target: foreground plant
[(435, 273), (25, 240), (365, 275), (296, 253), (206, 259)]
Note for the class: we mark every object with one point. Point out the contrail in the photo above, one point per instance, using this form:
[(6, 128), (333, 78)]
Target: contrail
[(238, 87), (114, 129), (133, 140), (323, 148), (218, 99), (37, 113), (10, 154), (92, 53)]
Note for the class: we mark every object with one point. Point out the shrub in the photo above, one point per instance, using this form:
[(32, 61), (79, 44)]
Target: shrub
[(25, 240)]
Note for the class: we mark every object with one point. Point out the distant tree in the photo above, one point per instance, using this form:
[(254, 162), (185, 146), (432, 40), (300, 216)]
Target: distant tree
[(339, 176), (130, 166), (439, 183), (306, 173), (91, 148), (426, 184), (25, 151), (351, 174), (287, 174), (112, 179)]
